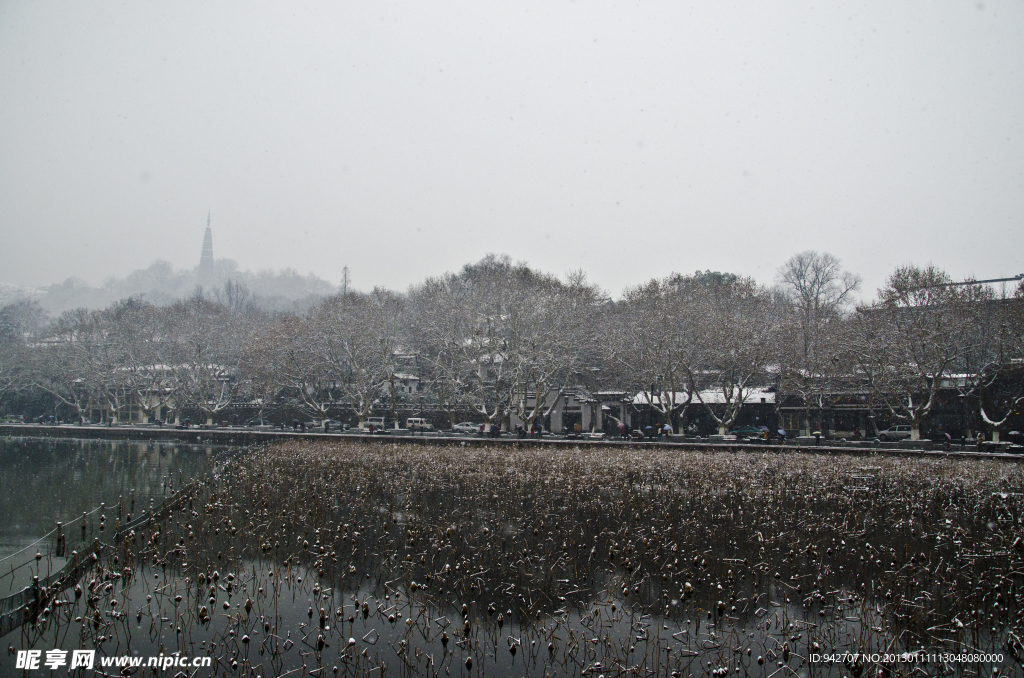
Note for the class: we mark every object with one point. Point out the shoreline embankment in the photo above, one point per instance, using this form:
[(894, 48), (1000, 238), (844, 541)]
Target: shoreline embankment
[(243, 437)]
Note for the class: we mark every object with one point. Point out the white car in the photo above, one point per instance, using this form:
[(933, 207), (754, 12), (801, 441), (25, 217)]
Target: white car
[(466, 427), (418, 424), (377, 423), (895, 433)]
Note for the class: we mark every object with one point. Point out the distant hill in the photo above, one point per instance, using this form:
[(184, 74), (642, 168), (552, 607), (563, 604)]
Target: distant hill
[(10, 293), (160, 284)]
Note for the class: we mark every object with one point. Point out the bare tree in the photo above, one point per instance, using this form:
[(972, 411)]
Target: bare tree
[(261, 367), (346, 351), (205, 354), (520, 337), (551, 342), (236, 297), (66, 364), (679, 340), (439, 323), (491, 294), (909, 342), (354, 354), (384, 317), (735, 340), (651, 346), (812, 360), (280, 363), (993, 355), (135, 334), (20, 324)]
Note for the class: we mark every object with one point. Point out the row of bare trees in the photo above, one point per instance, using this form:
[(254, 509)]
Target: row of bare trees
[(925, 336), (135, 355), (501, 339)]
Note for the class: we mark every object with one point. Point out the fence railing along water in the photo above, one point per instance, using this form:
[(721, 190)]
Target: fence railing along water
[(64, 564)]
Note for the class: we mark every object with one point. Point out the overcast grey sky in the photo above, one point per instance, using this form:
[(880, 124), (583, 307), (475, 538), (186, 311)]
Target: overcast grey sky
[(406, 139)]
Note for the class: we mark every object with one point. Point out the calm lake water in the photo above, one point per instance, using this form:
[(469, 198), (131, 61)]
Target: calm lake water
[(46, 480), (375, 559)]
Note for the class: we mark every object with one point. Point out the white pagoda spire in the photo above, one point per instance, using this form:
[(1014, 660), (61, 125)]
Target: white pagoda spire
[(206, 260)]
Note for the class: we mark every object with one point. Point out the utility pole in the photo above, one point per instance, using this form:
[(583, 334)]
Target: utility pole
[(344, 282)]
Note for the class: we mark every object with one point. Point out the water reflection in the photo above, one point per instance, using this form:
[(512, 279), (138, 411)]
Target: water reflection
[(43, 481)]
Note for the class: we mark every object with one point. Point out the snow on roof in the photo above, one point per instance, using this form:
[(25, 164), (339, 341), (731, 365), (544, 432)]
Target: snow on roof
[(709, 397), (642, 398), (754, 395)]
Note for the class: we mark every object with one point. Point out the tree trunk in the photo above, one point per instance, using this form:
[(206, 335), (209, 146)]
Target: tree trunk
[(915, 431), (995, 435), (723, 429)]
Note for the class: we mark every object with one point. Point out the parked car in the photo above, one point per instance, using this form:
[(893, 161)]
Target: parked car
[(900, 432), (466, 427), (418, 424), (375, 423)]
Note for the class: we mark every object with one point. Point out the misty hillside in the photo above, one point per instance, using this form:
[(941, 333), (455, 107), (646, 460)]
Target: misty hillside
[(161, 284)]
